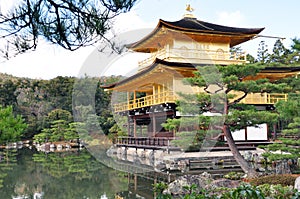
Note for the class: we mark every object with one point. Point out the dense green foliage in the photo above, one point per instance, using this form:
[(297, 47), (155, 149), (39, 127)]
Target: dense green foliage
[(244, 191), (47, 107), (289, 112), (11, 127)]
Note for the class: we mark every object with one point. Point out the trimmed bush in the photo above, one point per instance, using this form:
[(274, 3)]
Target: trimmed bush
[(284, 180)]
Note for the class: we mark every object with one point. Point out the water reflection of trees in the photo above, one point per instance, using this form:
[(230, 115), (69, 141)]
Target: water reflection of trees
[(61, 175), (59, 165), (7, 162)]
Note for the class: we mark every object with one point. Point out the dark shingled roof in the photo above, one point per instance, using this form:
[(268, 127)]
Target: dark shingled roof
[(194, 25)]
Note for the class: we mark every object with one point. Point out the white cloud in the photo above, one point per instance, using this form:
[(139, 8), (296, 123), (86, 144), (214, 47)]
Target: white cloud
[(230, 18), (130, 21), (48, 61)]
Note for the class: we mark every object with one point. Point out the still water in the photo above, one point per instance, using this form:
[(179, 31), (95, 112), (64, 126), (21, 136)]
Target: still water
[(29, 174)]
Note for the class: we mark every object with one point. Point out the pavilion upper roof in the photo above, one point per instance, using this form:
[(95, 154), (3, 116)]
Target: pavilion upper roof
[(195, 29)]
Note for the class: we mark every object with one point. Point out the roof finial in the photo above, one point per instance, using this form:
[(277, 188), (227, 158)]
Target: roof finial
[(189, 10)]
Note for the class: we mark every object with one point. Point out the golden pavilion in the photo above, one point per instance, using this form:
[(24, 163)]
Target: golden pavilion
[(174, 49)]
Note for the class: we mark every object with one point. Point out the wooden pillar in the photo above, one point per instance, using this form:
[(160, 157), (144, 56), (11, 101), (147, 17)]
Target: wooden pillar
[(134, 126), (128, 100), (128, 179), (158, 94), (163, 93), (246, 134), (153, 94), (134, 100), (154, 124), (135, 181), (128, 124)]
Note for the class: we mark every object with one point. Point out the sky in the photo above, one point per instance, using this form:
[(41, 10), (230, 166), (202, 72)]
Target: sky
[(280, 19)]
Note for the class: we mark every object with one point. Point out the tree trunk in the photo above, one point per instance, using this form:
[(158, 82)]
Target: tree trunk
[(251, 173)]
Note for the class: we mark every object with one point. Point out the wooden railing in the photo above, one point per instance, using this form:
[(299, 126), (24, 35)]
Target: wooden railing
[(264, 98), (149, 100), (196, 56), (144, 141), (170, 97)]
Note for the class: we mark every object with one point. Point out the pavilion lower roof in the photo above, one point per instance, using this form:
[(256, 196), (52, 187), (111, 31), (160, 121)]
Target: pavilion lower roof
[(161, 69)]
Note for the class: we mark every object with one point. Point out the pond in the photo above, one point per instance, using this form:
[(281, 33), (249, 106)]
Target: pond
[(27, 173)]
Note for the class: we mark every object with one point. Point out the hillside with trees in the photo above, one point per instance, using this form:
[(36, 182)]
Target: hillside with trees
[(45, 106)]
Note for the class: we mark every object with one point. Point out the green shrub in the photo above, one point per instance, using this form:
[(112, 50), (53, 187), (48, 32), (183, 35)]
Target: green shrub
[(244, 191), (284, 180), (234, 175), (278, 191), (158, 188)]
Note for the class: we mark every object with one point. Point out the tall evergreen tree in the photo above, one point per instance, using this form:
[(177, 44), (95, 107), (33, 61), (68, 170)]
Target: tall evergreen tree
[(295, 56), (11, 127), (280, 53), (296, 44), (262, 53)]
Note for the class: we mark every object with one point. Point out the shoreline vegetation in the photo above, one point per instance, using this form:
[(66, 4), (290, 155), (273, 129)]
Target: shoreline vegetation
[(204, 187)]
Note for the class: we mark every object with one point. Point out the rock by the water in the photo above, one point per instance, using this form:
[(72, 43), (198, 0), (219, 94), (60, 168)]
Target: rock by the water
[(223, 183), (177, 187), (282, 167), (202, 181), (297, 183)]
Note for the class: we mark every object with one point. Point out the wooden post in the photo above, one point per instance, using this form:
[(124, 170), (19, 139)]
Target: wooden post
[(153, 94), (128, 101), (168, 145), (135, 105), (128, 124), (135, 181), (154, 124), (134, 126), (164, 94), (158, 94), (128, 179)]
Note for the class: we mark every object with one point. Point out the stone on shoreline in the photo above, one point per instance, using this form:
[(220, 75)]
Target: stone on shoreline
[(202, 181)]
